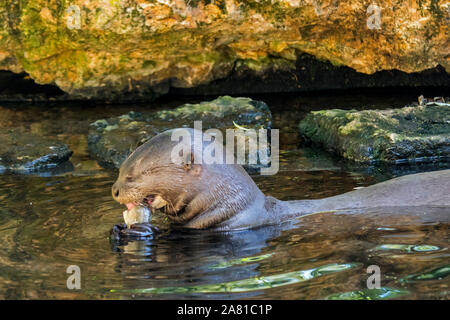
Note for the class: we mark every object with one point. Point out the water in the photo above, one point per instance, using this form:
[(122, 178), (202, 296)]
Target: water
[(50, 221)]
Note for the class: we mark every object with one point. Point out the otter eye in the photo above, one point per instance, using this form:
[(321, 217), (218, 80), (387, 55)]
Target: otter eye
[(129, 178)]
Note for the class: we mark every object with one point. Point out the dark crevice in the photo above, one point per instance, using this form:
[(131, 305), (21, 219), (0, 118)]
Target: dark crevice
[(309, 77), (313, 75), (20, 87)]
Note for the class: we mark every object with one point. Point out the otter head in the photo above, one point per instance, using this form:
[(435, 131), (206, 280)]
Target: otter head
[(197, 195)]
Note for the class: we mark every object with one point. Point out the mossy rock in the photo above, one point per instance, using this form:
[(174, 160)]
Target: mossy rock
[(410, 134), (112, 140), (141, 49), (219, 113), (22, 152)]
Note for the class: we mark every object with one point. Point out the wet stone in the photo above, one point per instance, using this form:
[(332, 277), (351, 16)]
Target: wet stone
[(111, 140), (415, 133), (24, 152)]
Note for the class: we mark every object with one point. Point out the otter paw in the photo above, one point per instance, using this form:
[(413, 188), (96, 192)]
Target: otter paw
[(135, 231), (116, 230), (143, 230)]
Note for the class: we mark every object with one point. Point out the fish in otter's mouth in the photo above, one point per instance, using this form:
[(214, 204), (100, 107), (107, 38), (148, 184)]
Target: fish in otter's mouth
[(141, 212), (151, 201)]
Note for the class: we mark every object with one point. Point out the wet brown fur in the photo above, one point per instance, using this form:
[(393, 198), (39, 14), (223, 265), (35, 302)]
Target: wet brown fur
[(224, 196)]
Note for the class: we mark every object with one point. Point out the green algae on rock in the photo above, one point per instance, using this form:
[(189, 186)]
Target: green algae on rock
[(220, 113), (410, 134), (112, 140), (99, 49), (24, 152)]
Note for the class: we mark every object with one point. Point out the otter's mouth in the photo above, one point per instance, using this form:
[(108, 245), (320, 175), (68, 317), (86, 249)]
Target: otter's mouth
[(151, 201), (154, 202)]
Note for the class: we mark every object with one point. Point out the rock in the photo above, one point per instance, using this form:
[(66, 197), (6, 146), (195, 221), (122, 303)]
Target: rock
[(310, 74), (411, 134), (102, 49), (220, 113), (112, 140), (23, 152)]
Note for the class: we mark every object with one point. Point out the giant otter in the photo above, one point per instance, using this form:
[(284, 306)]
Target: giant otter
[(223, 196)]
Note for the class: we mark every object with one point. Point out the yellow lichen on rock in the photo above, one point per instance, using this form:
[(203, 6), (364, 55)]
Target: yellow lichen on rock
[(95, 48)]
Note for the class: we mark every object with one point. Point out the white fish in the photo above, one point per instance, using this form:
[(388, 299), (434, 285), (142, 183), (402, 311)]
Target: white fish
[(137, 214)]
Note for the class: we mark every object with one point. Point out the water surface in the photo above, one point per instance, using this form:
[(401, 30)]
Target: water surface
[(51, 220)]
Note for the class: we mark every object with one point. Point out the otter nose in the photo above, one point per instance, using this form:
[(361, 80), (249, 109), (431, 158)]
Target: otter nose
[(115, 191)]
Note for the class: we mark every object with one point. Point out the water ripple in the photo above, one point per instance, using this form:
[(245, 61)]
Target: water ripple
[(251, 284)]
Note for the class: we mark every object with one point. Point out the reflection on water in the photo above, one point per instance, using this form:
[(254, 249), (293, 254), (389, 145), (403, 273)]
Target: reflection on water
[(251, 284), (369, 294), (49, 221)]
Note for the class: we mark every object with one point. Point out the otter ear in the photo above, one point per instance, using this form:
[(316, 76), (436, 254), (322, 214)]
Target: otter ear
[(192, 167)]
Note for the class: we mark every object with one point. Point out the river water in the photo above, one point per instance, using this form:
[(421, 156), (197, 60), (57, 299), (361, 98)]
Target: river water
[(52, 220)]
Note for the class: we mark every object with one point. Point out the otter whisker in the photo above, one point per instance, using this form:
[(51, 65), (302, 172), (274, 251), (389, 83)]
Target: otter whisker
[(172, 208)]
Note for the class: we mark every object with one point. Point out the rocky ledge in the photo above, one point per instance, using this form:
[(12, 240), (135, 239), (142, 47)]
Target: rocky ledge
[(102, 49), (24, 152), (415, 133), (112, 140)]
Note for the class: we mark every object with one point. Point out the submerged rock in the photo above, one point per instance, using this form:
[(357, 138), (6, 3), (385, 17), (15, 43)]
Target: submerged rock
[(24, 152), (112, 140), (416, 133), (99, 49)]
